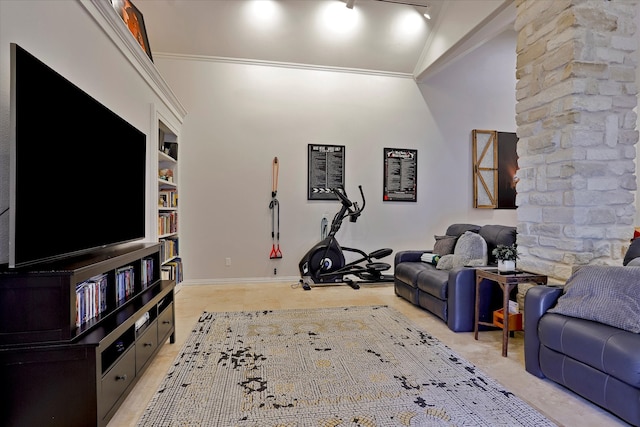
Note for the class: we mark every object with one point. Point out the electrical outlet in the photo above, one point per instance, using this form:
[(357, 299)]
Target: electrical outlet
[(227, 262)]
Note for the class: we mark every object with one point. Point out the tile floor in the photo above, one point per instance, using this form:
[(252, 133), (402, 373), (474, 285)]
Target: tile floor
[(558, 404)]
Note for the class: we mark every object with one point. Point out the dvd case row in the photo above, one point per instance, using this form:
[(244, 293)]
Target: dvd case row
[(91, 298), (92, 295)]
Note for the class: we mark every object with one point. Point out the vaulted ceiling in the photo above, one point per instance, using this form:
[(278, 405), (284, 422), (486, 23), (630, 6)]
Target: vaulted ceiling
[(390, 36)]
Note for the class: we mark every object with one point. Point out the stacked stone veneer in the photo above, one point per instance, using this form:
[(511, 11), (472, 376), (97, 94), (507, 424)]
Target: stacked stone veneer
[(576, 94)]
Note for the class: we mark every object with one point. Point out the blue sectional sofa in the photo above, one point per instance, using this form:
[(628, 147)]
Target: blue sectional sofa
[(594, 350), (450, 294)]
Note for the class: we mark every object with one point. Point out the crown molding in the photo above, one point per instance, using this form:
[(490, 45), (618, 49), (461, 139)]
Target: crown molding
[(292, 65)]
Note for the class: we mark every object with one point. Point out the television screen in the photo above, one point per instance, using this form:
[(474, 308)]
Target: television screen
[(77, 168)]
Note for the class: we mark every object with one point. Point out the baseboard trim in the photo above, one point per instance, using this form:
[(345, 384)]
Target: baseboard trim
[(241, 280)]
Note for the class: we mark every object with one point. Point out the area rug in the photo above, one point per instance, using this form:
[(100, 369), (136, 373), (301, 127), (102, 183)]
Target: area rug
[(350, 366)]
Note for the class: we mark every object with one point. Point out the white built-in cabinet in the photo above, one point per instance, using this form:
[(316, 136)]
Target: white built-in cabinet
[(168, 203)]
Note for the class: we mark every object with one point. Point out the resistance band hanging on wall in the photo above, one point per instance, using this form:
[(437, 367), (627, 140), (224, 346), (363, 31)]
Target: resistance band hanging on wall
[(275, 212)]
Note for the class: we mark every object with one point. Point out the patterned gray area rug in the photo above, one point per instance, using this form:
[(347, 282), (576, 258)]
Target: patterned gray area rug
[(350, 366)]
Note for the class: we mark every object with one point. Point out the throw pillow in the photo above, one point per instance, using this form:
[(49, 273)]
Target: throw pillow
[(444, 245), (470, 250), (445, 262), (605, 294)]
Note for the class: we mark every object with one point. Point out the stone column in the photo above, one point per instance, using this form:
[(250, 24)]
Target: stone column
[(576, 91)]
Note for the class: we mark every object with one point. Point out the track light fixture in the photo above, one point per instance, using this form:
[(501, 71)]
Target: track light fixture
[(425, 7), (408, 3)]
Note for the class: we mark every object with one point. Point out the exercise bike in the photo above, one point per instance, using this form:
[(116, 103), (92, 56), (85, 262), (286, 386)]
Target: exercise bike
[(325, 262)]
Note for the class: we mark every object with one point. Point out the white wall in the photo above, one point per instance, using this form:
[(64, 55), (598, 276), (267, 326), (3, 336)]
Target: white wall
[(456, 19), (475, 92), (66, 37), (242, 115)]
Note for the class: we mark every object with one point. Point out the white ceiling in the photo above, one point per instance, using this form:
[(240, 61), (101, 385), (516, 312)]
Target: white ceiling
[(382, 36)]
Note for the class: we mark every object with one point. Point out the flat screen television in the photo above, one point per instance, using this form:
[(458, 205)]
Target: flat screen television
[(77, 169)]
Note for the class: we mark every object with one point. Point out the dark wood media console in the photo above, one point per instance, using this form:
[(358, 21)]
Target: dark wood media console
[(57, 373)]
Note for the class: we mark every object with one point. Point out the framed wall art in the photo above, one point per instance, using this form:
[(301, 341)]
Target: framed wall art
[(134, 21), (325, 164), (495, 166), (400, 175)]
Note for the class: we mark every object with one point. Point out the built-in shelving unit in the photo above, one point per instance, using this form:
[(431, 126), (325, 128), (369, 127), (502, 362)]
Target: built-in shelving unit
[(77, 334), (69, 361), (171, 262)]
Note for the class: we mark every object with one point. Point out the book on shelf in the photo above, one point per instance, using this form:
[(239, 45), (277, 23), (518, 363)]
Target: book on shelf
[(169, 248), (172, 270), (167, 223)]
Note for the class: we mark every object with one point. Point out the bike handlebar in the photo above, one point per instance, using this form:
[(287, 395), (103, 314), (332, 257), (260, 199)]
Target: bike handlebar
[(342, 195), (349, 209), (362, 196), (340, 192)]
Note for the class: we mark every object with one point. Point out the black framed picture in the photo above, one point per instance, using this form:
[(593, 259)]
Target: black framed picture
[(495, 167), (325, 164), (134, 21), (400, 175)]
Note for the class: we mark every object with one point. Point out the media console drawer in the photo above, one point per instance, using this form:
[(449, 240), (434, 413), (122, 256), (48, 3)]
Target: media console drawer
[(116, 380), (146, 345), (165, 323)]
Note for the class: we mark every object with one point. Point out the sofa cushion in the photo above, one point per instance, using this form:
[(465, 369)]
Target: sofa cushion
[(495, 235), (444, 245), (605, 348), (408, 272), (605, 294), (433, 282)]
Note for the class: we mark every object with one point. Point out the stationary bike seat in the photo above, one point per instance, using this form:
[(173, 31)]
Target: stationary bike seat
[(378, 266)]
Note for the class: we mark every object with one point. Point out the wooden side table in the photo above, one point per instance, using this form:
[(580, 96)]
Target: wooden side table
[(507, 282)]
